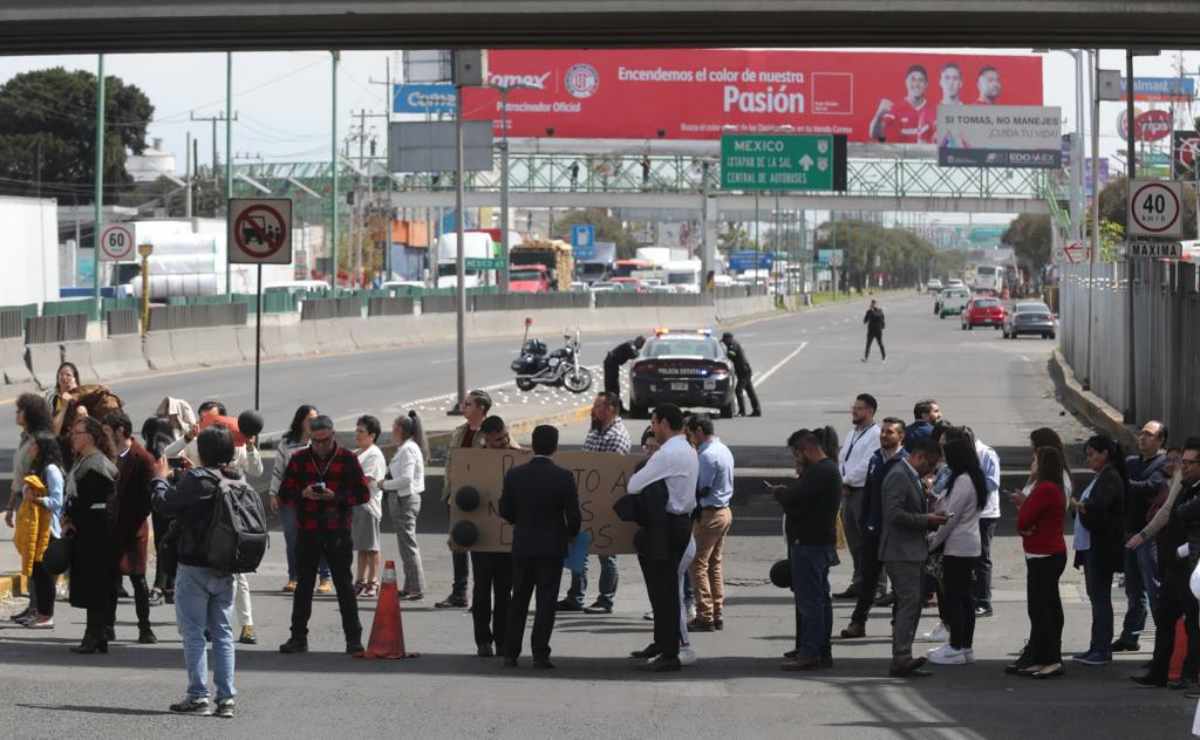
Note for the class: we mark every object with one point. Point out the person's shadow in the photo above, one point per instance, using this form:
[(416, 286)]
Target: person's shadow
[(97, 710)]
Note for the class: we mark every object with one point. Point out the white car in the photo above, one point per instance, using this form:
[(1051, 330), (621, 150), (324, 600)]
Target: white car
[(955, 283), (952, 301), (934, 285)]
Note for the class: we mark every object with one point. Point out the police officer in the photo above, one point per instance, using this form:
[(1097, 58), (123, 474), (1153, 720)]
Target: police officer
[(616, 357), (741, 366)]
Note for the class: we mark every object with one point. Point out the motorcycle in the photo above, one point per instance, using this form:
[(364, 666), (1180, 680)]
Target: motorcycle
[(561, 368)]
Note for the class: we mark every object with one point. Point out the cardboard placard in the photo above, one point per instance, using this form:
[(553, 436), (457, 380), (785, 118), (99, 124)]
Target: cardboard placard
[(600, 479)]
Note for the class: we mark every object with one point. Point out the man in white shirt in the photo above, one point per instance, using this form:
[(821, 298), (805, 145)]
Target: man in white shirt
[(677, 466), (854, 459)]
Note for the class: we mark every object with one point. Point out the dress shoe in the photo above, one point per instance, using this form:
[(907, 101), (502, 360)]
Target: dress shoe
[(453, 601), (1148, 682), (1014, 669), (850, 593), (543, 663), (908, 667), (325, 586), (294, 646), (510, 662), (701, 625), (146, 636), (826, 661), (885, 600), (757, 413), (1125, 646), (248, 637), (289, 587), (598, 608), (568, 605), (650, 651), (355, 647), (983, 612), (122, 593), (802, 664), (792, 654), (854, 630), (718, 624), (484, 651), (110, 634), (1054, 670), (406, 596), (89, 646)]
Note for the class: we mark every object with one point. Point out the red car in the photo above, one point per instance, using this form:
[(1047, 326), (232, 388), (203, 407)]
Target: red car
[(983, 311)]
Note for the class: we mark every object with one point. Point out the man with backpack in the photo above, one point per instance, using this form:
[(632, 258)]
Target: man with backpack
[(324, 482), (221, 530)]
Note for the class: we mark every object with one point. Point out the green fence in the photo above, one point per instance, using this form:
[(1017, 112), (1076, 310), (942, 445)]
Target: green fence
[(85, 306)]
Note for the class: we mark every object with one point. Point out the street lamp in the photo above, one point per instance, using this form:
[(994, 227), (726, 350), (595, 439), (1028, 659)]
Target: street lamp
[(504, 90)]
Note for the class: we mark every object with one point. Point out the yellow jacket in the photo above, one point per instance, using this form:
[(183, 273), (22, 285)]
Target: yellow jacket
[(31, 533)]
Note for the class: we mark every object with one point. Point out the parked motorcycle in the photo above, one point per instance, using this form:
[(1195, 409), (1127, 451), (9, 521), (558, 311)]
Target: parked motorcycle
[(561, 368)]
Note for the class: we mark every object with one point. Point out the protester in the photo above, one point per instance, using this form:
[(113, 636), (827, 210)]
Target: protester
[(540, 500), (33, 418), (46, 464), (714, 494), (203, 595), (88, 488), (958, 540), (677, 466), (1040, 523), (607, 434), (1099, 540), (811, 505), (1147, 482), (131, 523), (406, 482), (875, 322), (492, 587), (296, 438), (745, 375), (903, 548), (1177, 540), (58, 398), (324, 482), (855, 458), (890, 452), (365, 528), (475, 408)]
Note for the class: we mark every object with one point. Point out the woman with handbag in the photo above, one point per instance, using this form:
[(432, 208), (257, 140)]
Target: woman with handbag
[(46, 469), (89, 486)]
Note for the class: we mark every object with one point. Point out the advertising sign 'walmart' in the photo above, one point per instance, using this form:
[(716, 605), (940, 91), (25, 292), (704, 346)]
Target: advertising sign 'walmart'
[(783, 162)]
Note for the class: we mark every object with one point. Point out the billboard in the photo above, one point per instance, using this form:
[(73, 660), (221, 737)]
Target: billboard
[(999, 136), (1160, 89), (426, 98), (703, 93)]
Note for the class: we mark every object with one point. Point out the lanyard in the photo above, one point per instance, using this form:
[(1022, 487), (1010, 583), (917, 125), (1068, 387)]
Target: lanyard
[(854, 440)]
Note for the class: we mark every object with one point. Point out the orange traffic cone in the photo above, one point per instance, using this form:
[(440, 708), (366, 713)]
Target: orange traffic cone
[(387, 630), (1179, 653)]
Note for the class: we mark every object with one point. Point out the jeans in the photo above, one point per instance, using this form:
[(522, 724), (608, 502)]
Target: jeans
[(1044, 604), (493, 578), (204, 601), (960, 600), (291, 527), (1098, 576), (608, 582), (810, 587), (983, 566), (405, 510), (1141, 589), (685, 591), (338, 551), (710, 533)]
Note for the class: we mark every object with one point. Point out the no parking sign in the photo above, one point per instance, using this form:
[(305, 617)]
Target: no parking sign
[(260, 231)]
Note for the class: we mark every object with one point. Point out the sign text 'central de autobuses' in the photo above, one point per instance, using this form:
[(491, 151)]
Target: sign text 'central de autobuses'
[(782, 162)]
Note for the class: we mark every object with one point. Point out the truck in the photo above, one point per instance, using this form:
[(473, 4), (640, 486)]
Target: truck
[(552, 255), (683, 276), (478, 245), (599, 265)]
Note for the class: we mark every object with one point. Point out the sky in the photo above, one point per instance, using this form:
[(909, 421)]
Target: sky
[(282, 99)]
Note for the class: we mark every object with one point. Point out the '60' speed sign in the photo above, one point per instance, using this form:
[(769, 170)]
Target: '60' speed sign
[(1155, 208), (116, 243)]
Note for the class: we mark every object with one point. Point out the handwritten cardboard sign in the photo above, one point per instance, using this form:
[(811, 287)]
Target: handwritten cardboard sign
[(599, 477)]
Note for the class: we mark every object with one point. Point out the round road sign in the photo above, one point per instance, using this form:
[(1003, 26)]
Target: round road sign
[(116, 243), (1154, 207), (260, 231)]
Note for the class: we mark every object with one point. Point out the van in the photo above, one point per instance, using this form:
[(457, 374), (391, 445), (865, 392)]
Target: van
[(953, 301)]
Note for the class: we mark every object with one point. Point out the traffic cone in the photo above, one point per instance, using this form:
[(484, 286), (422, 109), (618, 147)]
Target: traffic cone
[(387, 629), (1179, 651)]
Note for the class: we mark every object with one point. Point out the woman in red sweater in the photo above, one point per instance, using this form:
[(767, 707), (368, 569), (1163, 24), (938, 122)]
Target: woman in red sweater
[(1040, 522)]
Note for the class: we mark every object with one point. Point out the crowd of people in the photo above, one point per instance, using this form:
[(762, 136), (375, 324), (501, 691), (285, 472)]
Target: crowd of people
[(917, 504)]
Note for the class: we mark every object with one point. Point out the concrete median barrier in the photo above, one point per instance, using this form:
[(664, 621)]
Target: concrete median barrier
[(384, 332), (44, 360), (245, 342), (80, 354), (334, 336), (117, 357), (12, 362), (210, 347), (281, 342)]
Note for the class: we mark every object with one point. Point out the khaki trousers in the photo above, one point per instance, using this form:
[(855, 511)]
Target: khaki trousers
[(710, 533)]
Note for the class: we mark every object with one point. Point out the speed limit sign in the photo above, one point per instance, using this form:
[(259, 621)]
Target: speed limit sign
[(116, 243), (1155, 208)]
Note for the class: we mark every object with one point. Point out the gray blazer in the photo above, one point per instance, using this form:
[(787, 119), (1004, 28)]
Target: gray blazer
[(904, 526)]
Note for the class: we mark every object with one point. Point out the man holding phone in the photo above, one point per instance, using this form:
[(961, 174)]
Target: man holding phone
[(325, 482)]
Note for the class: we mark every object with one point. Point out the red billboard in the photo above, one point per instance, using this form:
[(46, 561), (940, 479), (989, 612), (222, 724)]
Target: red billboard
[(702, 93)]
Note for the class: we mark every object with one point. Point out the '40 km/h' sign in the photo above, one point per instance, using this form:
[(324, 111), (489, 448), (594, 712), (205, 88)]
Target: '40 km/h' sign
[(1155, 209), (783, 162)]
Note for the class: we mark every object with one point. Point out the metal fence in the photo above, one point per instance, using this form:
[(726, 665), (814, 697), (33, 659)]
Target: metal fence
[(1166, 346), (528, 301), (622, 299), (168, 318), (62, 328), (124, 321), (390, 306), (11, 322), (331, 308)]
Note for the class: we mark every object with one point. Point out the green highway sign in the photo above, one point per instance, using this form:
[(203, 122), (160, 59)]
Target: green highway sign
[(783, 162), (480, 263)]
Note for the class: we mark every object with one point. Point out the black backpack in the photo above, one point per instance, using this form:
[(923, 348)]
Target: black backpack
[(237, 536)]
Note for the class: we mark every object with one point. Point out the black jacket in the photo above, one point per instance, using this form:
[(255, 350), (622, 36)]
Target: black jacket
[(1183, 527), (1104, 516), (1147, 479), (621, 354), (540, 500), (190, 503), (658, 532), (737, 355), (874, 320), (811, 505)]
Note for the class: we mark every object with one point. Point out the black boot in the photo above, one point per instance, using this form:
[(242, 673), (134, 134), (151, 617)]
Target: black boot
[(146, 635), (90, 645)]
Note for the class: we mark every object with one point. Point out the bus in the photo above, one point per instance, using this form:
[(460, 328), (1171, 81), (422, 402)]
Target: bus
[(988, 277)]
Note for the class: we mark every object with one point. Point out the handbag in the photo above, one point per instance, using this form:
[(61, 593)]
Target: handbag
[(57, 558), (933, 564)]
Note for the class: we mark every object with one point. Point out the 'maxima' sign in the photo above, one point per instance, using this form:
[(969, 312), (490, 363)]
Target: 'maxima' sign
[(1154, 250)]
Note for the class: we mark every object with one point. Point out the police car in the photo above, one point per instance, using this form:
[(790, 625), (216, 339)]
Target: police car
[(686, 368)]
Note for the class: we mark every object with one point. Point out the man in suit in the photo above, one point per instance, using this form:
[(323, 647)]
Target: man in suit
[(903, 547), (541, 502)]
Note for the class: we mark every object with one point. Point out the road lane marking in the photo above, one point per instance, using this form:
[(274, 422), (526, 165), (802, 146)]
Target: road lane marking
[(765, 376)]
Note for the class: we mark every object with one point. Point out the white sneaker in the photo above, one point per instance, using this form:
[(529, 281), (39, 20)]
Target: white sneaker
[(687, 656), (937, 634), (649, 616), (946, 655), (969, 654)]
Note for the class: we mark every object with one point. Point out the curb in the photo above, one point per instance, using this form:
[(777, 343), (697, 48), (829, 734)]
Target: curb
[(1095, 410)]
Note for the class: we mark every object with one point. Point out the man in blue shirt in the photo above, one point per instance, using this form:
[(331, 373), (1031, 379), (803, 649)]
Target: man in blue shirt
[(714, 493)]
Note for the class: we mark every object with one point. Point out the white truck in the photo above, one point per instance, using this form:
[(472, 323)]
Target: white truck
[(683, 276), (478, 245)]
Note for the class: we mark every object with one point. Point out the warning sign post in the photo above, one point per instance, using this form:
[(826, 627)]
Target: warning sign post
[(260, 233)]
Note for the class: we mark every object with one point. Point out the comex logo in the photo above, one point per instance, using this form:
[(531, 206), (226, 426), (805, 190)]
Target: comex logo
[(534, 81), (582, 80)]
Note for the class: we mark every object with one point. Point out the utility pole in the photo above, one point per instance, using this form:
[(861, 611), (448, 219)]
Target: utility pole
[(333, 172), (387, 134), (214, 120), (187, 177), (229, 163), (1131, 172), (98, 195)]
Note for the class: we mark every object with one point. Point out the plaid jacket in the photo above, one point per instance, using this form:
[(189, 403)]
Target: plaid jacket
[(614, 439), (344, 476)]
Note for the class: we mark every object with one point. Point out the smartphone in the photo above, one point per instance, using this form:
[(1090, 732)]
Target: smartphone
[(176, 463), (318, 486)]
